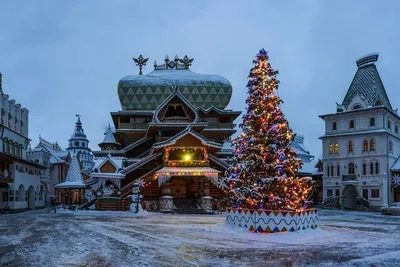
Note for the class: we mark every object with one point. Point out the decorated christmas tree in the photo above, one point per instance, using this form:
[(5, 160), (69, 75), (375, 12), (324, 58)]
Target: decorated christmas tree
[(264, 168)]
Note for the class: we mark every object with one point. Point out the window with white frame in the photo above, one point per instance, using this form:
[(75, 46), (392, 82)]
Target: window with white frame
[(329, 193), (330, 148), (372, 122), (375, 193), (351, 124), (364, 168), (351, 168), (336, 148)]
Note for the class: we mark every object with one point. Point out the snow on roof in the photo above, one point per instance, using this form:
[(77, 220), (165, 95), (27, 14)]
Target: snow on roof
[(74, 176), (396, 165), (308, 167), (109, 137), (227, 145), (170, 77)]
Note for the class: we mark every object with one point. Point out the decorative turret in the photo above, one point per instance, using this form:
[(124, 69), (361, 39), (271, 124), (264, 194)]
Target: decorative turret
[(74, 176), (109, 142), (79, 144)]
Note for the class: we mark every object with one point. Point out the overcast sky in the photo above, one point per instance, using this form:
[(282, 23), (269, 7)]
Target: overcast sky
[(61, 58)]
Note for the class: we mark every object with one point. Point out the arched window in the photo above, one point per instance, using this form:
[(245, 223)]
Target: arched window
[(365, 145), (334, 126), (350, 147), (328, 171), (358, 106), (351, 168), (338, 170), (371, 168), (351, 124), (364, 168), (332, 170), (376, 167), (76, 144), (330, 148), (336, 150), (396, 129), (5, 145), (372, 122), (389, 124), (390, 146), (372, 145)]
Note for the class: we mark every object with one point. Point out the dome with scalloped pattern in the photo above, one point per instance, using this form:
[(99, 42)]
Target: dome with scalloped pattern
[(146, 92)]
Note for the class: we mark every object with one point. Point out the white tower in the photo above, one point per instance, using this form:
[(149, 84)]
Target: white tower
[(79, 145)]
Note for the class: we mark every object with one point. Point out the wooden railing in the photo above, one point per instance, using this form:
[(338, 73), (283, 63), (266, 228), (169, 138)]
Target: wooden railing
[(124, 125), (182, 163), (127, 189), (221, 125)]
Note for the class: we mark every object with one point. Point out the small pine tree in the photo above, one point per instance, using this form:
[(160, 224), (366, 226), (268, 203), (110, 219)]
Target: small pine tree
[(265, 164)]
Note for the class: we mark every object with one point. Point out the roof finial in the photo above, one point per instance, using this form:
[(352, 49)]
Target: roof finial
[(140, 61), (1, 82), (186, 62)]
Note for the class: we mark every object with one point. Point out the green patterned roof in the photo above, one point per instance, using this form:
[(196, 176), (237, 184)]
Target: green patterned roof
[(146, 92)]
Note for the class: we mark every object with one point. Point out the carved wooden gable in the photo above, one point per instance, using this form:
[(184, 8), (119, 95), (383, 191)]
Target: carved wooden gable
[(108, 167)]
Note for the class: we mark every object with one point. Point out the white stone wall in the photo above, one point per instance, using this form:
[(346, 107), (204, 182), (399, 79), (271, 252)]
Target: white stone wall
[(26, 177)]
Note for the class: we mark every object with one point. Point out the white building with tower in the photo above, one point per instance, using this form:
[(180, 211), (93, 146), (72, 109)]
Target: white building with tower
[(23, 183), (361, 143)]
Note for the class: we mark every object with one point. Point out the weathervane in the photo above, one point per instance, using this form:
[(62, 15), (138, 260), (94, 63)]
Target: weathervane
[(140, 61)]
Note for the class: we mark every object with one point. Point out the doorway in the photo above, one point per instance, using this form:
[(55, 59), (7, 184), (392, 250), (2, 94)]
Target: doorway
[(397, 194), (31, 197), (349, 196), (178, 188)]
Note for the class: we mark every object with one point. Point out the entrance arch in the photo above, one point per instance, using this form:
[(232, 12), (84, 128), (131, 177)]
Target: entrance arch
[(31, 197), (349, 197), (21, 192)]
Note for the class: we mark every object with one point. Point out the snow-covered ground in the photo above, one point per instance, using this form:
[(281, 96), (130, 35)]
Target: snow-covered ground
[(94, 238)]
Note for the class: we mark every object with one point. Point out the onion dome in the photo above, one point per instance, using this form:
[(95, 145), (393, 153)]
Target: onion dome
[(147, 92)]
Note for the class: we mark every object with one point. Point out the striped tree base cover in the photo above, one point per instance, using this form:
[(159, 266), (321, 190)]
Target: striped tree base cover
[(271, 221)]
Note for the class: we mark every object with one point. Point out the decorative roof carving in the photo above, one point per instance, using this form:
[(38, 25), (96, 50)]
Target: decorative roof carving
[(177, 64)]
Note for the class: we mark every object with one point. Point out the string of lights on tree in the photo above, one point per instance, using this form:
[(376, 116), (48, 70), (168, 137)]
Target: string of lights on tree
[(263, 174)]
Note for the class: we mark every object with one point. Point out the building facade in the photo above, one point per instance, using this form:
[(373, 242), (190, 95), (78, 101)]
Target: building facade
[(171, 136), (361, 143), (23, 183)]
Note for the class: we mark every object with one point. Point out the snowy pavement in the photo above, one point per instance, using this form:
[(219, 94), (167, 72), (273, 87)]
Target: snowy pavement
[(94, 238)]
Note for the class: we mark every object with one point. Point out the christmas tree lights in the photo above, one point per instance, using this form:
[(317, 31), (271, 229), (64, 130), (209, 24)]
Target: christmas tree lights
[(263, 174)]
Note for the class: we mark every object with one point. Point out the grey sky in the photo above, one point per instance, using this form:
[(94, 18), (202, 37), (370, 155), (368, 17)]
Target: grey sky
[(60, 58)]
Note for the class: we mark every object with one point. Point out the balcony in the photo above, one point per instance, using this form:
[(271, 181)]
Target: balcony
[(128, 125), (349, 177), (221, 125)]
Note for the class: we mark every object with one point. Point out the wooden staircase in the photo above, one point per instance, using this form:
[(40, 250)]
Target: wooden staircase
[(117, 204)]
